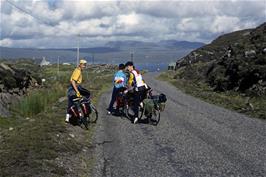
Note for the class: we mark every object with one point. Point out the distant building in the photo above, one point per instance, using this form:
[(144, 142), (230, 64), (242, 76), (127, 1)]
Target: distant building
[(172, 66), (44, 62), (66, 64)]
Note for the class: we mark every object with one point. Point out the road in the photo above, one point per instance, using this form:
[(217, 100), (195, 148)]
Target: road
[(193, 138)]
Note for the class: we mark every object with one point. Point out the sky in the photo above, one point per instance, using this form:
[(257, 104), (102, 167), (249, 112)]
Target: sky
[(57, 23)]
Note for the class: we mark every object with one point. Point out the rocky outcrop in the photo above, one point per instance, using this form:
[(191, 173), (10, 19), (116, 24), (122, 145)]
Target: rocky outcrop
[(14, 82), (234, 61)]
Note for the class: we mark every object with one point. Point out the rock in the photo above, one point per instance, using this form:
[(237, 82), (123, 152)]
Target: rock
[(72, 135), (62, 99), (14, 82), (16, 91), (11, 128), (2, 87), (251, 107), (250, 53), (7, 68)]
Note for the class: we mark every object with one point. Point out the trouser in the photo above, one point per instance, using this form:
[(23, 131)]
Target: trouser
[(114, 96), (71, 94), (138, 97)]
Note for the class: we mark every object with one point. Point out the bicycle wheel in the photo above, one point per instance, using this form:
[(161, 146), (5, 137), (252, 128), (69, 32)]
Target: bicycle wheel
[(141, 112), (155, 119), (93, 116), (126, 111), (85, 122)]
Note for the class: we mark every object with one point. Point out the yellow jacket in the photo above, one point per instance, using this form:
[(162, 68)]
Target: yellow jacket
[(76, 76)]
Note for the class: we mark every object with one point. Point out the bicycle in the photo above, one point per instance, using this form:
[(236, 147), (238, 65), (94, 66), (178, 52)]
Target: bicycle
[(84, 111), (152, 107), (124, 103)]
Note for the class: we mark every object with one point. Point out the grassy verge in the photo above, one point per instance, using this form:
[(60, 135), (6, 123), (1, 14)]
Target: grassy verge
[(36, 141), (230, 99), (39, 100)]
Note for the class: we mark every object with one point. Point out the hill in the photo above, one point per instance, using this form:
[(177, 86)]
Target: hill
[(229, 72), (234, 61)]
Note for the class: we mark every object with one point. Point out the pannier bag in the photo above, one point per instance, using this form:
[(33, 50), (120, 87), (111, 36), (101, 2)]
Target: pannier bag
[(85, 106), (73, 110), (156, 102), (161, 106), (159, 98), (148, 106)]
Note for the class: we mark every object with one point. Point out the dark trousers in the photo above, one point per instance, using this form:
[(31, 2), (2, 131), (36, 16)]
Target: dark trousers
[(139, 96), (113, 98), (71, 94), (137, 99)]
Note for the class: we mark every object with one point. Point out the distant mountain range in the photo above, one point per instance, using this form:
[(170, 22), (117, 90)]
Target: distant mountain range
[(111, 52), (165, 44)]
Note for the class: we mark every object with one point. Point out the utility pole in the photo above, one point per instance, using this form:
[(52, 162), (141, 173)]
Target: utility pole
[(78, 51), (131, 55), (92, 58), (58, 66)]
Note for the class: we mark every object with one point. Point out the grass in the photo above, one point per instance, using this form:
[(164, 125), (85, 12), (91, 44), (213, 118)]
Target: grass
[(29, 149), (35, 141), (230, 99), (39, 100)]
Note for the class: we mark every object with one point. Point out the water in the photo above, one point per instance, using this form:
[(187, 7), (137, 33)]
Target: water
[(152, 67)]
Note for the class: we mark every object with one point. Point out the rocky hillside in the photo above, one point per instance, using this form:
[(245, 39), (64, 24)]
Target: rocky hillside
[(15, 80), (234, 61)]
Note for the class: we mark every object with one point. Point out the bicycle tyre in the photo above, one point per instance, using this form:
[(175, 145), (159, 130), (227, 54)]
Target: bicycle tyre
[(156, 116), (93, 116), (141, 112), (126, 111), (85, 122)]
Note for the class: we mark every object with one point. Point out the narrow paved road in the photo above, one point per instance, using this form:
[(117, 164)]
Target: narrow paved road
[(193, 138)]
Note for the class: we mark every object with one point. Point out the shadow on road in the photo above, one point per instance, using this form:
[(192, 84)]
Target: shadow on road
[(140, 121)]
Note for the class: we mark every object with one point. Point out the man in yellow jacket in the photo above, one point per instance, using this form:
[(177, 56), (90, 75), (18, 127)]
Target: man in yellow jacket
[(75, 89)]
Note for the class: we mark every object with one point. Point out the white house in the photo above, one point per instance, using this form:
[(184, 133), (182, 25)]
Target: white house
[(44, 62)]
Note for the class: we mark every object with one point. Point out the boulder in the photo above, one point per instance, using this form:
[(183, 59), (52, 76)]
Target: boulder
[(14, 82)]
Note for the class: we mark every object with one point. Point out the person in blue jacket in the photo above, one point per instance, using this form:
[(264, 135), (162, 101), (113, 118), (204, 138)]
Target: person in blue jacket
[(120, 84)]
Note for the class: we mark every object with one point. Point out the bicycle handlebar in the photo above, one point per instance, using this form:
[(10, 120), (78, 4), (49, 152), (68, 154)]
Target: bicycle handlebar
[(77, 99), (81, 98)]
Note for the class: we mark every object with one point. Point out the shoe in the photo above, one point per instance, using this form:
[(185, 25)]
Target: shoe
[(67, 118), (136, 120)]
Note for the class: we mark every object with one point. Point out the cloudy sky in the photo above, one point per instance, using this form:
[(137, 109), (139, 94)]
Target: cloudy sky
[(56, 23)]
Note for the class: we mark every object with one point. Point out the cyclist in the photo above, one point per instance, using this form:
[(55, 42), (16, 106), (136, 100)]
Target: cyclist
[(75, 89), (120, 83), (139, 87)]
